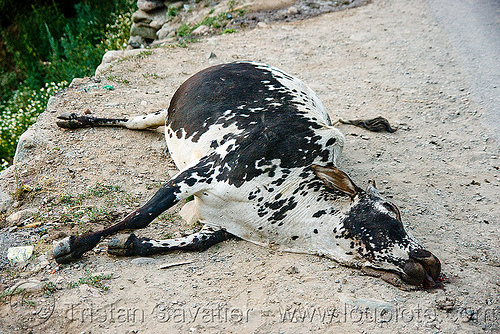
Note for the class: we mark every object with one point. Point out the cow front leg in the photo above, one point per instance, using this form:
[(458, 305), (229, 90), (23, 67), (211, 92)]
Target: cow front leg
[(73, 247), (128, 245), (189, 181)]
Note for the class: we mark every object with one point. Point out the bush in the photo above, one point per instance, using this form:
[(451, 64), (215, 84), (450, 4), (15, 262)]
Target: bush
[(19, 112), (43, 50)]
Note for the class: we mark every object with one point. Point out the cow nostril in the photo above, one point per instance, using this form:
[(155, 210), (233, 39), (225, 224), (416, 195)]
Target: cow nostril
[(414, 272), (422, 268), (431, 263)]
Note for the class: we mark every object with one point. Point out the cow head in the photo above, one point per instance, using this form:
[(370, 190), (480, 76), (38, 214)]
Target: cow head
[(374, 228)]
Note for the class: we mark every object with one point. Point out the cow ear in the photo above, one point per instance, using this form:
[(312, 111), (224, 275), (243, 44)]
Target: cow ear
[(336, 179)]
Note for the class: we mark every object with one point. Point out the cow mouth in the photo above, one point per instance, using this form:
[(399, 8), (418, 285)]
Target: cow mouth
[(422, 268)]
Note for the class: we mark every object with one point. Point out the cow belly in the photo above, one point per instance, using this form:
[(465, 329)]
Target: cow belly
[(185, 150)]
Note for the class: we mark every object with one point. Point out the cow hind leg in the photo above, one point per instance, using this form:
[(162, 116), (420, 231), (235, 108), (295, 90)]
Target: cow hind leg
[(74, 121), (128, 245)]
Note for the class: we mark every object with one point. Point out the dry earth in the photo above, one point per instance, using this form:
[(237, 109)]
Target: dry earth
[(441, 168)]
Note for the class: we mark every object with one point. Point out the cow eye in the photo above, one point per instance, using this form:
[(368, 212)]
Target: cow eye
[(391, 207)]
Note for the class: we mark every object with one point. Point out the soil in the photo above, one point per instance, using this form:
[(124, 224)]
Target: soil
[(441, 168)]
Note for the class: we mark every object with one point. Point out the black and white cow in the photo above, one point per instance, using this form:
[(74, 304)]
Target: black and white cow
[(256, 148)]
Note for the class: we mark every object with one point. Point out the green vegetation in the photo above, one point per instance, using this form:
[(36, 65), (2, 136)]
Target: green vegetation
[(92, 280), (79, 214), (6, 294), (218, 23), (43, 46)]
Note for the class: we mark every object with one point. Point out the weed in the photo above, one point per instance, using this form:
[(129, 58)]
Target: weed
[(143, 54), (49, 287), (153, 75), (172, 11), (5, 295), (197, 225), (168, 236), (184, 30), (118, 79), (92, 280), (168, 217)]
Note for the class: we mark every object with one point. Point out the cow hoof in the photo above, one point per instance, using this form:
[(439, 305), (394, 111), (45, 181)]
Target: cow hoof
[(122, 245), (73, 121), (64, 251)]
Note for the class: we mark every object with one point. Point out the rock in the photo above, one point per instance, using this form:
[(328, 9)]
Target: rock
[(158, 19), (144, 31), (19, 217), (261, 25), (266, 5), (137, 42), (202, 30), (30, 285), (212, 55), (292, 270), (188, 213), (19, 254), (150, 5), (165, 31), (293, 11), (142, 17), (113, 56), (141, 261), (6, 201), (27, 143)]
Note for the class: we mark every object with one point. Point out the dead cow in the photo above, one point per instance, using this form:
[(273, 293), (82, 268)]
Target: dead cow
[(257, 149)]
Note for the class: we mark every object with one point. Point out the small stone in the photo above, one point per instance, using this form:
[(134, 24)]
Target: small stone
[(141, 261), (30, 285), (261, 25), (19, 217), (292, 270), (19, 254), (293, 11), (144, 31), (6, 201), (166, 31), (202, 30), (141, 16), (150, 5), (136, 42), (212, 55)]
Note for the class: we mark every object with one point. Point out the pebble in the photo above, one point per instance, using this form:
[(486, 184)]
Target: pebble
[(141, 261), (201, 30), (293, 11), (20, 216), (19, 254), (29, 285)]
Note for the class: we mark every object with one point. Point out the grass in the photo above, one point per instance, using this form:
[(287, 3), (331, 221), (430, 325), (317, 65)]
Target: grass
[(5, 295), (81, 215), (118, 79), (92, 280)]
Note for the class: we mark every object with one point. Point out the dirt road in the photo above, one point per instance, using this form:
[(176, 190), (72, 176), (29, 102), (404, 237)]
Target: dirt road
[(441, 168)]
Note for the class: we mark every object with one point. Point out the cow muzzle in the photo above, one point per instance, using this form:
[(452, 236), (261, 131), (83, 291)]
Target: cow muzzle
[(422, 268)]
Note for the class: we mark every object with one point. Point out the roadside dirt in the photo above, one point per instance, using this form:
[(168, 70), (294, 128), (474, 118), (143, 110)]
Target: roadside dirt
[(441, 168)]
